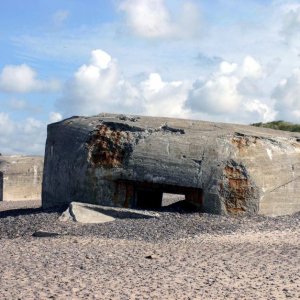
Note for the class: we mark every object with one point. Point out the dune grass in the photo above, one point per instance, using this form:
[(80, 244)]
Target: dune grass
[(279, 125)]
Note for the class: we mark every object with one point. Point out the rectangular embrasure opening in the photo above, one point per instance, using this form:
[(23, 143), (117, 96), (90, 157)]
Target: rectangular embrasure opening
[(149, 195)]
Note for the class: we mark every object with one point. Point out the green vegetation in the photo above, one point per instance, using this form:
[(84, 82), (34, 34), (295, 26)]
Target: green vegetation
[(280, 125)]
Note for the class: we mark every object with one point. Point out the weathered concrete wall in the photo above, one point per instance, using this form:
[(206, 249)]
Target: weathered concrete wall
[(1, 186), (223, 168), (21, 177)]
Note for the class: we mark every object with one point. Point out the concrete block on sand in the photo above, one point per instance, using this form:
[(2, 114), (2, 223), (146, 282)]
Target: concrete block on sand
[(89, 213)]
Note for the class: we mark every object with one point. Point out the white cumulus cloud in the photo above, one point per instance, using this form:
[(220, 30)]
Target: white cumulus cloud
[(163, 98), (227, 67), (21, 137), (259, 111), (23, 79), (25, 136), (55, 117), (148, 18), (216, 96), (287, 97), (99, 86), (153, 19), (232, 93), (251, 68), (94, 86)]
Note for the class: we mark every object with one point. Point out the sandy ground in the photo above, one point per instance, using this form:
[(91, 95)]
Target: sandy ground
[(181, 255), (14, 205)]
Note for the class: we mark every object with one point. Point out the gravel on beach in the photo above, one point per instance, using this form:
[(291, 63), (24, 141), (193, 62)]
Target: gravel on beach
[(174, 222), (180, 255)]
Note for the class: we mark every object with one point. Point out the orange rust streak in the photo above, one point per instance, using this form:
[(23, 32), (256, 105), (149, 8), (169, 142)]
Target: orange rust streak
[(107, 147), (238, 188), (230, 171), (236, 210), (238, 184), (243, 142)]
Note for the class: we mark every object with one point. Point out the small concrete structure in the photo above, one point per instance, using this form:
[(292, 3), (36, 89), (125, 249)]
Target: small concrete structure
[(21, 177), (129, 161)]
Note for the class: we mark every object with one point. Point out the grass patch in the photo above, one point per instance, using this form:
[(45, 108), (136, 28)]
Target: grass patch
[(279, 125)]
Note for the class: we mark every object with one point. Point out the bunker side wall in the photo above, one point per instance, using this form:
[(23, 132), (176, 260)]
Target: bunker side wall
[(65, 166), (274, 164), (1, 186), (22, 179)]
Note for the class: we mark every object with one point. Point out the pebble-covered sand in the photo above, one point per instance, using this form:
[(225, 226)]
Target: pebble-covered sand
[(180, 255)]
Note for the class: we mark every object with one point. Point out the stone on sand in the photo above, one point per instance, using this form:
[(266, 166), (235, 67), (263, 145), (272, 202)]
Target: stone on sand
[(81, 213), (90, 213), (43, 233)]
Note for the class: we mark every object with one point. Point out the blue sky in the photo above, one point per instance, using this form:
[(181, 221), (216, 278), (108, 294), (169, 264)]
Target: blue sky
[(224, 60)]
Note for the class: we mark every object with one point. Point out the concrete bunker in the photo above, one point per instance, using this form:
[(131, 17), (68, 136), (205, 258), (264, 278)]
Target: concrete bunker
[(130, 161)]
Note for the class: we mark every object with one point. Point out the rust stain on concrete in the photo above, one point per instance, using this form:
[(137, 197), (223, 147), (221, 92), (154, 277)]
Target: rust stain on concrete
[(108, 148), (242, 142), (237, 188)]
